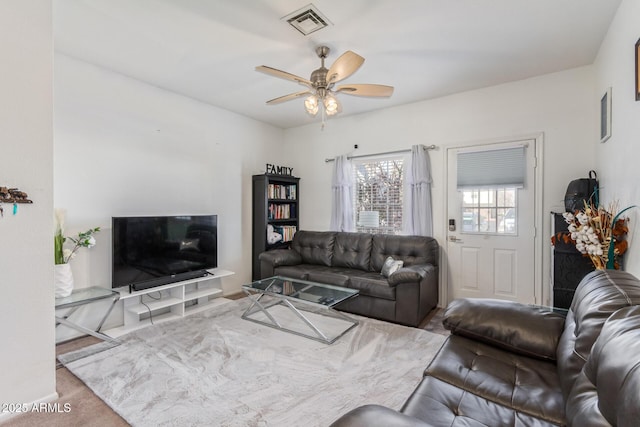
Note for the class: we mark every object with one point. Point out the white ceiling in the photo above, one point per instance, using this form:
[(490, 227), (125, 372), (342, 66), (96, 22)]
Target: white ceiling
[(208, 49)]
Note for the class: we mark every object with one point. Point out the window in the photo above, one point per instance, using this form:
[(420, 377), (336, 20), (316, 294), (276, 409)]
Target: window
[(490, 210), (378, 195), (488, 181)]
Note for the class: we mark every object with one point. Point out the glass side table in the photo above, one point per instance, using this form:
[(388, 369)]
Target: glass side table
[(80, 297)]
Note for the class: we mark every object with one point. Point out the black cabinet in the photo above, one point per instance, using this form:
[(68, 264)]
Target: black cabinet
[(568, 265), (275, 204)]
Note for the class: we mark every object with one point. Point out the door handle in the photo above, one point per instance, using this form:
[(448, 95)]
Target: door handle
[(455, 239)]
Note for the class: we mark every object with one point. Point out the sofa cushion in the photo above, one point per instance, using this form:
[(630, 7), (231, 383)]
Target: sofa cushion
[(352, 250), (529, 386), (410, 249), (606, 391), (303, 271), (292, 271), (371, 284), (328, 275), (441, 404), (314, 273), (314, 247), (598, 296), (531, 331)]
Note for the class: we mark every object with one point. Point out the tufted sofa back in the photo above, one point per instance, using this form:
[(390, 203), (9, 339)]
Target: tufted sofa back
[(410, 249), (352, 250), (600, 294), (363, 251), (315, 247)]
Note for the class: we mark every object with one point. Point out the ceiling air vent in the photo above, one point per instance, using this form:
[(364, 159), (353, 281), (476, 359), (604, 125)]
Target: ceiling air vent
[(307, 20)]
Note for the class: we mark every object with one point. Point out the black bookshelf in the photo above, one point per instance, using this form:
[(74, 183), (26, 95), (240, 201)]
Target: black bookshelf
[(276, 203)]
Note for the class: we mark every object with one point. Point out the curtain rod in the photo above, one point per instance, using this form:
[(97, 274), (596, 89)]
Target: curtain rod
[(408, 150)]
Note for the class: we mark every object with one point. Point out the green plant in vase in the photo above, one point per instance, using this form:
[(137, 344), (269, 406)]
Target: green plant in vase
[(82, 240), (62, 255)]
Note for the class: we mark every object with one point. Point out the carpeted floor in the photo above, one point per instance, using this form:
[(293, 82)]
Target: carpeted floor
[(86, 409)]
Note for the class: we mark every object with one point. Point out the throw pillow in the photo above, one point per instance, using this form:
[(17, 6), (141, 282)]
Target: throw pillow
[(390, 266)]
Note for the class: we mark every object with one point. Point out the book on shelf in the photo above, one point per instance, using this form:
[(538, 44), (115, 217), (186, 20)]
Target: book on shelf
[(281, 211), (284, 192), (286, 231)]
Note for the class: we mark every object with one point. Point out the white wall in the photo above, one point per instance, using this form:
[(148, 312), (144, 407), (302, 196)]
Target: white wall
[(123, 147), (560, 105), (618, 158), (26, 253)]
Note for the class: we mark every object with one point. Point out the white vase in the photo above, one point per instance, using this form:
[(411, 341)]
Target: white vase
[(63, 280)]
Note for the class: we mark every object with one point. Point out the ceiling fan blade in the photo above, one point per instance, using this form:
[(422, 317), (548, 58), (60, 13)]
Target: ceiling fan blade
[(283, 75), (347, 64), (366, 90), (289, 97)]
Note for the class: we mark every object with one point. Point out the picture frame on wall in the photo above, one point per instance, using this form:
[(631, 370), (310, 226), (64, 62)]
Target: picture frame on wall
[(605, 116), (638, 70)]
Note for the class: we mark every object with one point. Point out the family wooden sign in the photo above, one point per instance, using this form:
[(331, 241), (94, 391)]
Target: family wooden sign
[(279, 170)]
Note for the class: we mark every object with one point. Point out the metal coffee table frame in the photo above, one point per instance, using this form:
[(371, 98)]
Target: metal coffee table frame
[(80, 297), (258, 305)]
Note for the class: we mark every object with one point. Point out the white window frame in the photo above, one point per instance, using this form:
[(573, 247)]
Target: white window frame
[(503, 214)]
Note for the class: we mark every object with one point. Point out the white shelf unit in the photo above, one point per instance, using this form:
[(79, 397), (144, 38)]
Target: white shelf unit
[(175, 300)]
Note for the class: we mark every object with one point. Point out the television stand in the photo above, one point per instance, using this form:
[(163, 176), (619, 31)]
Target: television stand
[(176, 300)]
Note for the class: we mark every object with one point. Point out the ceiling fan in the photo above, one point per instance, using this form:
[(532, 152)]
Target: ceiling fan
[(321, 86)]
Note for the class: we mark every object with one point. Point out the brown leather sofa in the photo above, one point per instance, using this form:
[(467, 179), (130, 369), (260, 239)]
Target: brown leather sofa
[(508, 364), (355, 260)]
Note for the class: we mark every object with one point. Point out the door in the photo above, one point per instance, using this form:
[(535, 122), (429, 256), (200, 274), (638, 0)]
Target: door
[(491, 237)]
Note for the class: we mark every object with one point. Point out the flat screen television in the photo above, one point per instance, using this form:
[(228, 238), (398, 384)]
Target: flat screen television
[(156, 250)]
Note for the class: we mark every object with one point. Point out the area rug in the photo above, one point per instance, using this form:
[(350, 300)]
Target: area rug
[(216, 369)]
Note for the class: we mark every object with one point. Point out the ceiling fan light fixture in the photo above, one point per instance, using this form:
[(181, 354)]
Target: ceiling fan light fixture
[(331, 105), (312, 105)]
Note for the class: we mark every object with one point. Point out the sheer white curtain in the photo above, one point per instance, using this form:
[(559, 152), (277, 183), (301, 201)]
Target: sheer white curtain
[(417, 216), (342, 195)]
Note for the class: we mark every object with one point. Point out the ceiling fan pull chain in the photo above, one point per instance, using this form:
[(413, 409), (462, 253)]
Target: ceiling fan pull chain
[(324, 116)]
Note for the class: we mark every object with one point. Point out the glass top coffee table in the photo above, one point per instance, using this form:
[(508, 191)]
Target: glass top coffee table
[(83, 296), (300, 307)]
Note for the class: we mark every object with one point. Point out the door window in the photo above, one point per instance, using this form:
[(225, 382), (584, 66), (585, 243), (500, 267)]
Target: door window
[(490, 210)]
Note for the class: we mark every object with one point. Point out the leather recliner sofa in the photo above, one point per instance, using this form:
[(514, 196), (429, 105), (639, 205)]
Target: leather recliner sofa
[(509, 364), (355, 260)]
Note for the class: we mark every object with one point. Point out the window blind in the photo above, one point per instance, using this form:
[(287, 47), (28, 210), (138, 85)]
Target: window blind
[(494, 168), (378, 195)]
